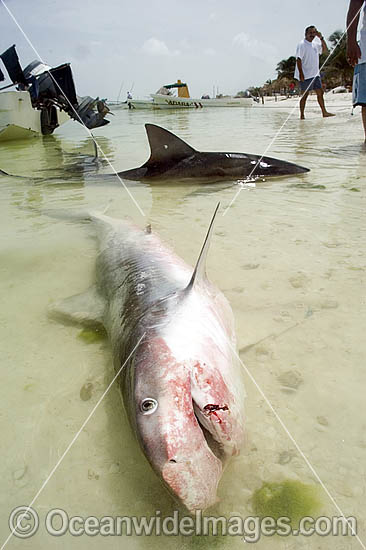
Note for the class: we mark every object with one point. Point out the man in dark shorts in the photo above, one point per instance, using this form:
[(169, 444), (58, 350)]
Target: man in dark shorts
[(307, 68), (356, 54)]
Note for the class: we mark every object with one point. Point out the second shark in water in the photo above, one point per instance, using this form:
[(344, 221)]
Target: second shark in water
[(173, 158)]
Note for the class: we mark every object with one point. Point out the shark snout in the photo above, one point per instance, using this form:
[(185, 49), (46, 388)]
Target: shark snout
[(268, 166), (300, 169), (283, 168), (193, 483)]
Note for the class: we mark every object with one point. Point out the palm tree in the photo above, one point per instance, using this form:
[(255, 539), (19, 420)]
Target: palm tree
[(337, 70), (335, 37), (286, 68)]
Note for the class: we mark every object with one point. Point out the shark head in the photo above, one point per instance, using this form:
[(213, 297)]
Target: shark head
[(267, 166), (168, 430)]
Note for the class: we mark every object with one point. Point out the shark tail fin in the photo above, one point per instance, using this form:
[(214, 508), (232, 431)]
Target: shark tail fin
[(199, 271)]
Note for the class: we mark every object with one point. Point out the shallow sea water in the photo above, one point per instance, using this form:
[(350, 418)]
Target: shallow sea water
[(289, 255)]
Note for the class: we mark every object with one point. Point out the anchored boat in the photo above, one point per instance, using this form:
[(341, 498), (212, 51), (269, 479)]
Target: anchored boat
[(164, 99), (44, 99)]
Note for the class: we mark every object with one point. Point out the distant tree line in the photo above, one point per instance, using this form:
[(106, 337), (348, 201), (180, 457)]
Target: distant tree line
[(337, 71)]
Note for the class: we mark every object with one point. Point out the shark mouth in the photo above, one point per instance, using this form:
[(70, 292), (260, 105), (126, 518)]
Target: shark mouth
[(213, 444), (214, 408)]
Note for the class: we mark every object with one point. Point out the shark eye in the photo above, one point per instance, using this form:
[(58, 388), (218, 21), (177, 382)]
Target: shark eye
[(148, 405)]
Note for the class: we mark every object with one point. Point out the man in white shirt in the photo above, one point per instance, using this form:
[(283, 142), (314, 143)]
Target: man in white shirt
[(307, 68), (356, 54)]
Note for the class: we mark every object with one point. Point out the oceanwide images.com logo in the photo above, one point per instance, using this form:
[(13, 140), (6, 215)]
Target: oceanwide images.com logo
[(24, 522)]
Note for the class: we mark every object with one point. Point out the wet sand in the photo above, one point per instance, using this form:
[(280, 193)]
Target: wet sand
[(290, 257)]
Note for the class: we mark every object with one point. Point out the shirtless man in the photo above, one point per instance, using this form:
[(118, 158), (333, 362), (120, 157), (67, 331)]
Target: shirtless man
[(356, 54), (307, 68)]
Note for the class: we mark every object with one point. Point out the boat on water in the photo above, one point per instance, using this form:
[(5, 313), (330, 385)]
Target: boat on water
[(43, 99), (117, 105), (164, 99)]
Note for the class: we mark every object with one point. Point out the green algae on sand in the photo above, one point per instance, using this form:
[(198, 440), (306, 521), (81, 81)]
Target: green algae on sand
[(91, 336), (289, 498)]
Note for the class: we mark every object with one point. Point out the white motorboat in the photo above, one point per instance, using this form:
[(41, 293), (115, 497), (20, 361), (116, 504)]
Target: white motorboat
[(44, 99), (164, 99), (117, 105)]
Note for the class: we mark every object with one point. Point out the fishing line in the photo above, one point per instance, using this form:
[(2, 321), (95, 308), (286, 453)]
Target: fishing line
[(14, 528), (298, 448), (73, 109), (291, 113), (284, 427)]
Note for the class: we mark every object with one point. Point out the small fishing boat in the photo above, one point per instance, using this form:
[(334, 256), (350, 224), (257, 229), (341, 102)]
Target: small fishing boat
[(164, 99), (44, 99)]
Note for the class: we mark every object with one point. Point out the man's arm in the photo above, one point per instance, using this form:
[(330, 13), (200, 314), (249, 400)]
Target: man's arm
[(299, 66), (353, 16), (323, 42)]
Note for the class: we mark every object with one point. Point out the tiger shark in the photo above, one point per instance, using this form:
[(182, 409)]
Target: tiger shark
[(173, 158), (173, 342)]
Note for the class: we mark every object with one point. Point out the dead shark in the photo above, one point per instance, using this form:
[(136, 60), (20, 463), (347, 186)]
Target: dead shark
[(173, 158), (182, 388)]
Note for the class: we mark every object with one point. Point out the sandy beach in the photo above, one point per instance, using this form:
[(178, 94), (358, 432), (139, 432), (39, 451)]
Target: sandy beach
[(334, 102)]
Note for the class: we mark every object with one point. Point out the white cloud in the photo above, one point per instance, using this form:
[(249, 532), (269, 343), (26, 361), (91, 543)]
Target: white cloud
[(153, 46), (256, 48), (209, 51)]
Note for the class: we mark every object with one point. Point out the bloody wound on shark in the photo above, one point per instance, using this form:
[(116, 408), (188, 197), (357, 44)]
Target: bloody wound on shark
[(182, 387)]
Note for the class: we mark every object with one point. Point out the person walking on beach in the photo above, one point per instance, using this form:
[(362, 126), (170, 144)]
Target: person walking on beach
[(307, 68), (356, 55)]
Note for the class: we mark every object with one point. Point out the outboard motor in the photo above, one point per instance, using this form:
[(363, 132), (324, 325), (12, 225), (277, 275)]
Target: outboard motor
[(58, 84), (50, 88), (90, 117)]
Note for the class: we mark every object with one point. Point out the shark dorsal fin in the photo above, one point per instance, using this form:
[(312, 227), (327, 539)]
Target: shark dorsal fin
[(199, 271), (165, 146)]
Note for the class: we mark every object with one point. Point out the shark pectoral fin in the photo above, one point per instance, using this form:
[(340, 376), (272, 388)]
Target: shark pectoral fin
[(86, 309)]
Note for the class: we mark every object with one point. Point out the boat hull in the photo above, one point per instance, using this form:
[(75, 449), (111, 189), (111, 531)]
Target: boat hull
[(18, 119), (160, 101), (13, 132)]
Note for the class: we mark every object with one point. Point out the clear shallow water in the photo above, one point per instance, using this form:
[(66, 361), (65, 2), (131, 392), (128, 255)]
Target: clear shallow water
[(290, 257)]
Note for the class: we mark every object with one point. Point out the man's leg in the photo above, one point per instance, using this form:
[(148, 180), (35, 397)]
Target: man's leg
[(302, 104), (363, 111), (320, 96)]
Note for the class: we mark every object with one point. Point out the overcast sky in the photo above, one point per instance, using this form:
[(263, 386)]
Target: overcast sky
[(144, 44)]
